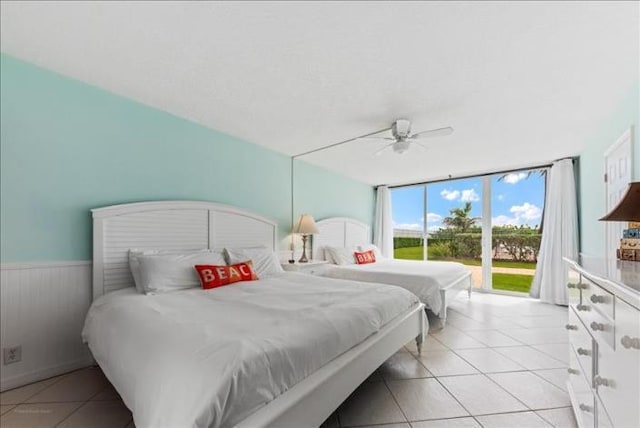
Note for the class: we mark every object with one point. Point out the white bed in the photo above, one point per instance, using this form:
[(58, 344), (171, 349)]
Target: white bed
[(435, 283), (282, 351)]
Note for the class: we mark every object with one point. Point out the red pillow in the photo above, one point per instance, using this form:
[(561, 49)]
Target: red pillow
[(212, 276), (365, 257)]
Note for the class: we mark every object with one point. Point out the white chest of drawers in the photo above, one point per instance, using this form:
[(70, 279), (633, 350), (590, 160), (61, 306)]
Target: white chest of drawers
[(604, 333)]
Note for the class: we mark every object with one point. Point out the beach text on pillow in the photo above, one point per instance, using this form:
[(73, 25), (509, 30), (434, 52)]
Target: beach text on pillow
[(365, 257), (212, 276)]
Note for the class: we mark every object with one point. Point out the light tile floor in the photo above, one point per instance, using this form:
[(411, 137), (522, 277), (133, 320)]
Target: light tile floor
[(499, 363)]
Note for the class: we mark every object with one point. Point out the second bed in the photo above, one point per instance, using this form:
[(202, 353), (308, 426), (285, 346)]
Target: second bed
[(436, 283)]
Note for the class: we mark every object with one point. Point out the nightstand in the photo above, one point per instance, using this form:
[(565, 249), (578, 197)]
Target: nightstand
[(313, 267)]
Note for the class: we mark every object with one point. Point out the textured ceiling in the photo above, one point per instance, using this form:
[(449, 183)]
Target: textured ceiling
[(522, 83)]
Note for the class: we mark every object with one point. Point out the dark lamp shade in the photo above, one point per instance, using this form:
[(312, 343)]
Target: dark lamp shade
[(628, 209)]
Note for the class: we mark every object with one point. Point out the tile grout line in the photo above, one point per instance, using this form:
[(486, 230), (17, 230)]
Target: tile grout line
[(499, 386), (62, 376), (395, 400)]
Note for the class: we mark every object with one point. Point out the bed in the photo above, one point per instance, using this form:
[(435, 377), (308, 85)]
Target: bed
[(285, 350), (435, 283)]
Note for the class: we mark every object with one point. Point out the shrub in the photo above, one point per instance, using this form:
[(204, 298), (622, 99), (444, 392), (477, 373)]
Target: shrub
[(439, 250), (404, 242)]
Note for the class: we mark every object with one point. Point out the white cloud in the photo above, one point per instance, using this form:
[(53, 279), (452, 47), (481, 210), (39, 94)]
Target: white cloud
[(526, 211), (450, 195), (514, 178), (503, 220), (469, 195), (522, 214), (433, 218), (409, 226), (500, 197)]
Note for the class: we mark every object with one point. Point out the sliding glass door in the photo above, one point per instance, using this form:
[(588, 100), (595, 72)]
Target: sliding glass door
[(454, 213), (408, 222), (490, 223), (517, 202)]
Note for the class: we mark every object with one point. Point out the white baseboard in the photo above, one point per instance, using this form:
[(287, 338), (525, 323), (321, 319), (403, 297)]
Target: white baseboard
[(44, 373)]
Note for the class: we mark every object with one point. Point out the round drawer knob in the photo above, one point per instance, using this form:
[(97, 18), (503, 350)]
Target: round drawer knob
[(583, 308), (573, 371), (597, 299), (585, 408), (630, 342), (582, 351), (582, 286), (595, 326), (600, 381), (571, 285), (571, 327)]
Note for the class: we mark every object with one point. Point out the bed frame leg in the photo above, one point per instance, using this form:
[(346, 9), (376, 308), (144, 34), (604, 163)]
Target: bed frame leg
[(420, 336)]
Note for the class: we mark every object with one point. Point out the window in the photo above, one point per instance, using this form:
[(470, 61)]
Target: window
[(490, 223)]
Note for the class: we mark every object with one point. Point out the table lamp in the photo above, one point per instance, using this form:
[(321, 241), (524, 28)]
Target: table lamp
[(305, 226)]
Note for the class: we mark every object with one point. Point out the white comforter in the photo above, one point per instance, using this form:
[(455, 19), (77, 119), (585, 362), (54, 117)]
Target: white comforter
[(209, 358), (425, 279)]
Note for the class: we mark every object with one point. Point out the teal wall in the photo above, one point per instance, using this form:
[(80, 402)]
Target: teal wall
[(67, 147), (335, 198), (591, 183)]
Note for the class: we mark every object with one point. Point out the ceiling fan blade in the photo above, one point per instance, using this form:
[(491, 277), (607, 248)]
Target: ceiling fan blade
[(379, 152), (440, 132), (376, 139), (419, 144)]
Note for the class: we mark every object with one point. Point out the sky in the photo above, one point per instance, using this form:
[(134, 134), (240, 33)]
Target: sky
[(515, 200)]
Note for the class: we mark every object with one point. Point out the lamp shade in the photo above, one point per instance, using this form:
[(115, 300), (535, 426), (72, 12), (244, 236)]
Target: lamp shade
[(628, 209), (305, 225)]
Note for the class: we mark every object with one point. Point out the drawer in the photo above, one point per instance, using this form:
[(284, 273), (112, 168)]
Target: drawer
[(581, 395), (573, 292), (582, 344), (618, 377), (601, 328), (598, 298)]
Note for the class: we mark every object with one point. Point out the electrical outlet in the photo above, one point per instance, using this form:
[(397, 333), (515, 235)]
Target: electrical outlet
[(12, 355)]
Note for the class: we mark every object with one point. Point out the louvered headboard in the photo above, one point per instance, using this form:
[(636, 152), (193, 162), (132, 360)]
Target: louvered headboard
[(172, 225), (339, 232)]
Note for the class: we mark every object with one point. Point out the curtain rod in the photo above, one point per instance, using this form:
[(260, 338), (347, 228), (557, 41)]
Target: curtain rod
[(449, 178)]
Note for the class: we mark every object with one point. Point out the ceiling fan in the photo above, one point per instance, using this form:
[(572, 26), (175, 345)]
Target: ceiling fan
[(403, 138)]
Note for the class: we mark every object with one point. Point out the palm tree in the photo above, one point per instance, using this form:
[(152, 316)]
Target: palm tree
[(460, 218)]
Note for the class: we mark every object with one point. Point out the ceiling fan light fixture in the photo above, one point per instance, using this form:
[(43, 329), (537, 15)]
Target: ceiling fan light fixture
[(401, 146)]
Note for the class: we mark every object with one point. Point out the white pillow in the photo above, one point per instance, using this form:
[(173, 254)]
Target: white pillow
[(341, 256), (134, 264), (265, 261), (160, 273), (376, 250)]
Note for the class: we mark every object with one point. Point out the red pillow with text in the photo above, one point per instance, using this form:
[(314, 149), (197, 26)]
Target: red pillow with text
[(365, 257), (212, 276)]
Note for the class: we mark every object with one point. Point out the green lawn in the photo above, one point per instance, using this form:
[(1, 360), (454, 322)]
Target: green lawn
[(411, 253), (415, 253), (501, 281), (512, 282)]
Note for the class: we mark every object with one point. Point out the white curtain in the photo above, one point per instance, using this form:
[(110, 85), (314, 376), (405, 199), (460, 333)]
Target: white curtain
[(383, 226), (559, 235)]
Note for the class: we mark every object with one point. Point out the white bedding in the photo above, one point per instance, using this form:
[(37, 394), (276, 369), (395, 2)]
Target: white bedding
[(210, 358), (425, 279)]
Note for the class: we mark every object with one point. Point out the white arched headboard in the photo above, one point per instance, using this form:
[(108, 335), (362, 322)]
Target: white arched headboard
[(339, 232), (172, 225)]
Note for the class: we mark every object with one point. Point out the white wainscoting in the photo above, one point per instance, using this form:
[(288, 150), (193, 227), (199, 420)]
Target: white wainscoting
[(42, 308)]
